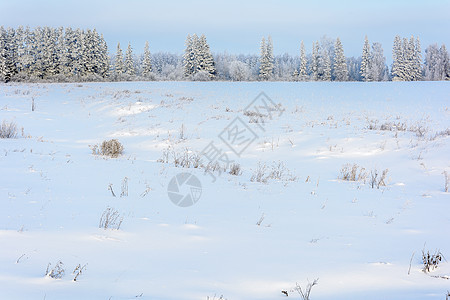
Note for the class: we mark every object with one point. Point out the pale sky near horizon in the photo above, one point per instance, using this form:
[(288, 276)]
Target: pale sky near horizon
[(237, 26)]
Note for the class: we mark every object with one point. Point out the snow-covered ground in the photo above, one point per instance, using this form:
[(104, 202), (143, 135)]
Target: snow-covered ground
[(243, 239)]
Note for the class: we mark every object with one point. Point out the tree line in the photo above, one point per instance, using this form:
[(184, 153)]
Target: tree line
[(66, 54)]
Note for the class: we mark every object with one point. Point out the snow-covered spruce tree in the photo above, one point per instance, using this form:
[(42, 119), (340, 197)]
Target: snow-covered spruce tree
[(190, 55), (397, 63), (61, 50), (340, 63), (325, 70), (432, 62), (28, 59), (417, 75), (198, 60), (266, 59), (103, 59), (3, 55), (408, 62), (129, 64), (315, 61), (303, 72), (20, 43), (146, 62), (73, 41), (88, 49), (366, 61), (444, 63), (205, 58), (8, 54), (118, 65)]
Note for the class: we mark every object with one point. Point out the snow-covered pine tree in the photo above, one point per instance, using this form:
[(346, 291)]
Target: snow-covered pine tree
[(205, 58), (8, 60), (20, 43), (444, 63), (303, 73), (326, 75), (28, 57), (50, 52), (190, 55), (103, 59), (340, 64), (315, 61), (366, 61), (3, 56), (266, 59), (129, 64), (263, 59), (71, 51), (118, 65), (408, 62), (146, 62), (61, 50), (432, 60), (397, 56), (417, 61)]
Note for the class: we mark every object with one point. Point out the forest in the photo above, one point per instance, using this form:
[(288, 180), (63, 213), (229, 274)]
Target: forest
[(46, 54)]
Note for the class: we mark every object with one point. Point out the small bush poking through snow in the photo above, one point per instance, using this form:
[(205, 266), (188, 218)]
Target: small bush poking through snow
[(78, 271), (8, 130), (235, 169), (112, 148), (305, 294), (353, 173), (57, 272), (110, 219), (431, 261), (277, 171), (377, 181)]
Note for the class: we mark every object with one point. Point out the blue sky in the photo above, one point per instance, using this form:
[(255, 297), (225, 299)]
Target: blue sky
[(237, 26)]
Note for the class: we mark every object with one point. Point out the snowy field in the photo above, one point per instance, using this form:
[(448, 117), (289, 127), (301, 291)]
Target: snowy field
[(243, 239)]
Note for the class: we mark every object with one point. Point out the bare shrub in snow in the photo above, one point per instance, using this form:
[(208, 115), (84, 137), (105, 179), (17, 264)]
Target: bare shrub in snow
[(353, 172), (431, 261), (57, 272), (377, 180), (261, 219), (110, 219), (305, 294), (277, 171), (78, 271), (184, 158), (8, 130), (112, 148), (235, 169), (260, 174)]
